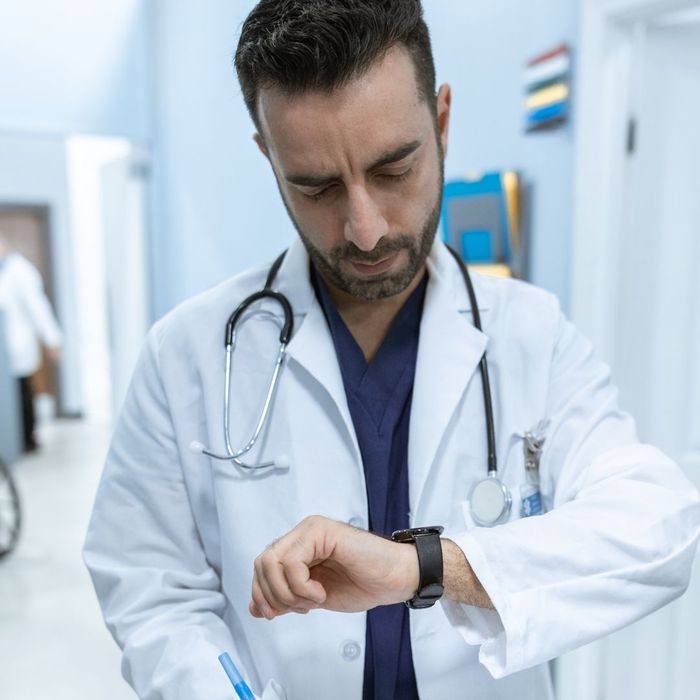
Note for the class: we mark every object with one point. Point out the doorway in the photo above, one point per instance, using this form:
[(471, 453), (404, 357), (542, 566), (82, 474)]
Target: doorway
[(636, 288), (27, 230), (109, 190)]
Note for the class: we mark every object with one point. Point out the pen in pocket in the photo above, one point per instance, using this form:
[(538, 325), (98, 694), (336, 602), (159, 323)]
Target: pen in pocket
[(239, 685)]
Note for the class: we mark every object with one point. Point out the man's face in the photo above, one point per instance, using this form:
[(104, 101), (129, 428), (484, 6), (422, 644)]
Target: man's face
[(361, 172)]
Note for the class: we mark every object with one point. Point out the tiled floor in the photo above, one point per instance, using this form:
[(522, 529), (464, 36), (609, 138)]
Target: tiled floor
[(53, 643)]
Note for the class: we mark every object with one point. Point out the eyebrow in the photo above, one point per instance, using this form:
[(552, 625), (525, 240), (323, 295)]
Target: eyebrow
[(387, 158)]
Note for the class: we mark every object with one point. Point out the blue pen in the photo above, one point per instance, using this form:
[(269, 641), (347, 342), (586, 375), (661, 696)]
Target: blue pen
[(239, 685)]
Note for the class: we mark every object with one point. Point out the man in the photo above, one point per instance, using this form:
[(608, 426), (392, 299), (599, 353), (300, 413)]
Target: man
[(377, 425), (28, 320)]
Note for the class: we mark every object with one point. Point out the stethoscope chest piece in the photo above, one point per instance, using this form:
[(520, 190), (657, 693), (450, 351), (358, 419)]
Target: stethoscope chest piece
[(490, 502)]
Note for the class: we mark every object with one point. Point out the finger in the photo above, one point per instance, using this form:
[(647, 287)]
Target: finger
[(302, 585), (274, 587), (259, 604), (253, 610), (280, 595), (299, 611), (267, 593)]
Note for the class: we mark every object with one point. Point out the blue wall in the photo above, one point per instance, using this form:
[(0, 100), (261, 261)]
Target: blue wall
[(481, 49), (217, 207), (76, 66)]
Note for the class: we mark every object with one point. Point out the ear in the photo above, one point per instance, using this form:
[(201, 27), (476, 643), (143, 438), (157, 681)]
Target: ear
[(443, 105), (261, 144)]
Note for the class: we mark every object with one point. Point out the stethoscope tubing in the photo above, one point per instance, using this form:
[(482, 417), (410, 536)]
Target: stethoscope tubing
[(483, 369), (230, 344), (234, 456)]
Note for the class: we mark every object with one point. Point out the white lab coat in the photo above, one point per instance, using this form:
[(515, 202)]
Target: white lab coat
[(173, 535), (28, 315)]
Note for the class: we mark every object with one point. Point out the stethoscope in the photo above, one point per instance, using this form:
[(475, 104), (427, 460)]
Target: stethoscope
[(490, 500)]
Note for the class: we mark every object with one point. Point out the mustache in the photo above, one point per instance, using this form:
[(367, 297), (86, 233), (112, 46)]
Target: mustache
[(385, 248)]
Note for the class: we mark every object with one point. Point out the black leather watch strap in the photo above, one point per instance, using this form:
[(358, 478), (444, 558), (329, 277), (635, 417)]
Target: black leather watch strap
[(429, 550)]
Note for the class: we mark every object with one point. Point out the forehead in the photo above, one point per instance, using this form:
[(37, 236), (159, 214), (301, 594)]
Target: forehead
[(366, 116)]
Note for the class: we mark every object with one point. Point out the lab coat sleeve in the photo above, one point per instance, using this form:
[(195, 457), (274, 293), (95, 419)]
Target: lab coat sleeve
[(38, 307), (161, 599), (617, 544)]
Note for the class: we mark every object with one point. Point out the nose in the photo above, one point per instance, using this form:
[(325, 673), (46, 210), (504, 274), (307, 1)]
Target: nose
[(365, 224)]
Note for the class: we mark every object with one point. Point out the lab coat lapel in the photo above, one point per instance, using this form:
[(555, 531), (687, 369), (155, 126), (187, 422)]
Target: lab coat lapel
[(311, 347), (449, 351)]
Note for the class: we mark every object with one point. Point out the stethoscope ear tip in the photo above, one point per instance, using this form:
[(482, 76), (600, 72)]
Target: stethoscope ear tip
[(281, 462), (197, 447)]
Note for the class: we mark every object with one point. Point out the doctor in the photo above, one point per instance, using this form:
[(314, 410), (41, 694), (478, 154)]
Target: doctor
[(29, 321), (378, 424)]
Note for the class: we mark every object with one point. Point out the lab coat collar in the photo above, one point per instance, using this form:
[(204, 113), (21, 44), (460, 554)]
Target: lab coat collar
[(293, 280), (449, 351), (312, 347)]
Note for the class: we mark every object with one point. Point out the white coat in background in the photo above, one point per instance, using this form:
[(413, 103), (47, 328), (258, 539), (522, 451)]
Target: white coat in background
[(173, 535), (28, 315)]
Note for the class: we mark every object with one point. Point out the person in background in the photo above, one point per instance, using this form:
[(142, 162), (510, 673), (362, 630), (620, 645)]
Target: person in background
[(29, 321)]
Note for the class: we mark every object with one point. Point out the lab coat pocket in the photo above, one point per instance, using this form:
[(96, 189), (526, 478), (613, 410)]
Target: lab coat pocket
[(273, 691)]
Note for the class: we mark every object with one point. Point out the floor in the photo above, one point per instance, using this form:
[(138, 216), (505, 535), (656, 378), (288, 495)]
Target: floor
[(53, 643)]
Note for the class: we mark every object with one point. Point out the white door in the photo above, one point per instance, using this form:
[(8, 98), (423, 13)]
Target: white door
[(124, 209), (657, 358), (656, 343)]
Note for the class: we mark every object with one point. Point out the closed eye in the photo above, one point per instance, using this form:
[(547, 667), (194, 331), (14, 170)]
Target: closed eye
[(395, 177), (390, 178), (317, 196)]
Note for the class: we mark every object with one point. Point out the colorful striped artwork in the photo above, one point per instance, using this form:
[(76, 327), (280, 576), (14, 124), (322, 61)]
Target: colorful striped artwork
[(547, 88)]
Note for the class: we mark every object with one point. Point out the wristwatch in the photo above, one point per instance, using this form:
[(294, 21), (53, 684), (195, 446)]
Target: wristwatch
[(429, 549)]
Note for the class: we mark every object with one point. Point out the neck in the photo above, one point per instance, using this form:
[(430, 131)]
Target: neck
[(370, 321)]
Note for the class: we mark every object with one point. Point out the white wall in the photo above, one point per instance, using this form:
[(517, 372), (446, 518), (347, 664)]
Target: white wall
[(217, 207), (75, 66)]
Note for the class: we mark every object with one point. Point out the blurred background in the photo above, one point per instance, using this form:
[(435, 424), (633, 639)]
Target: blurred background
[(130, 181)]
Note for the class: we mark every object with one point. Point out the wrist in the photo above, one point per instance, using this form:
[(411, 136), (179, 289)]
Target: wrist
[(427, 546), (410, 577)]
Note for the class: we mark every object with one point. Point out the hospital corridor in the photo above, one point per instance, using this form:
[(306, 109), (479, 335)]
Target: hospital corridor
[(349, 349), (47, 607)]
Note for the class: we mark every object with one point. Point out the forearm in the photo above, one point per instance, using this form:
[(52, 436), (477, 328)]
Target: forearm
[(459, 579)]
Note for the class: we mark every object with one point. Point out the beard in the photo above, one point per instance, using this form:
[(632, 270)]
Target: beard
[(417, 246)]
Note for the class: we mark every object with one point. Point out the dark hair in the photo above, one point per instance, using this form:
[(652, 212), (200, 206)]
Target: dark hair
[(320, 45)]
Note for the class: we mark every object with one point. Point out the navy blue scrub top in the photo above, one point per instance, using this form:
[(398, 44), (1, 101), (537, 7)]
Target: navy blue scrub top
[(379, 398)]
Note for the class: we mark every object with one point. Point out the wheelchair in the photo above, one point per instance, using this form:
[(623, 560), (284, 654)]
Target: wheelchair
[(10, 511)]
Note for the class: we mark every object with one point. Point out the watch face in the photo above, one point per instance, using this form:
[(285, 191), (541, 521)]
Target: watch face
[(410, 535)]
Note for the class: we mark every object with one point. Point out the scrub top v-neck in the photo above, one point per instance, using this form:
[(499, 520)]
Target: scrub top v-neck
[(379, 398)]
